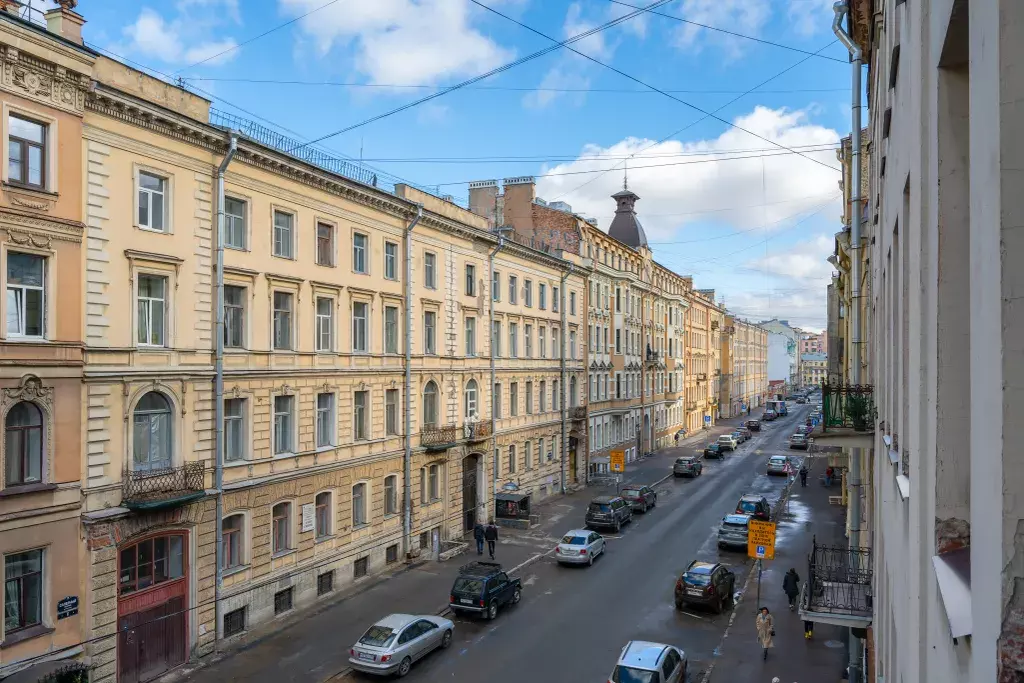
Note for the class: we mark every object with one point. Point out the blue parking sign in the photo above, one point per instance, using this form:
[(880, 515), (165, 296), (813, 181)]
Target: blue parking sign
[(707, 419), (760, 551)]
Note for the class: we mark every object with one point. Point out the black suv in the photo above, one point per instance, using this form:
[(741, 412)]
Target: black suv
[(610, 512), (705, 583), (482, 587), (754, 425)]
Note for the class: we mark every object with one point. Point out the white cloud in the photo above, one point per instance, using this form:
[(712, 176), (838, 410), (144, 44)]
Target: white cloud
[(672, 196), (801, 262), (174, 42), (402, 41), (741, 16), (807, 17)]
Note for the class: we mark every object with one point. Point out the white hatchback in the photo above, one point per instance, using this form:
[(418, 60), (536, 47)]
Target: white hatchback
[(579, 546)]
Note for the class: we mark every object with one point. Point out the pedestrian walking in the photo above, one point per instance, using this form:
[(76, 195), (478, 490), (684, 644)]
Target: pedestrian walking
[(791, 586), (491, 535), (478, 536), (803, 474), (765, 629), (828, 476), (808, 629)]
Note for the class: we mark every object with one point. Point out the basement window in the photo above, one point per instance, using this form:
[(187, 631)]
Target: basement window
[(282, 601), (234, 622), (325, 583)]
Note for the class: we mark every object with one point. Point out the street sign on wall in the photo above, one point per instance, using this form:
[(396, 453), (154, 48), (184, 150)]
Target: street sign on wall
[(617, 459), (761, 540)]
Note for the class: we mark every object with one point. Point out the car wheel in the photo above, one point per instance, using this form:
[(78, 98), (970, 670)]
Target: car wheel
[(446, 639), (403, 668), (492, 611), (654, 503), (679, 604), (590, 561), (718, 605), (517, 595), (644, 509)]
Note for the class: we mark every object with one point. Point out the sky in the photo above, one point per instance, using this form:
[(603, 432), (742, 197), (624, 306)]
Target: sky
[(738, 189)]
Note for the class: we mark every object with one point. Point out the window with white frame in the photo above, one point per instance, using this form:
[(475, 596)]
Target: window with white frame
[(555, 397), (391, 412), (543, 396), (513, 340), (23, 591), (281, 531), (390, 329), (572, 344), (325, 412), (496, 401), (152, 424), (496, 339), (434, 482), (513, 293), (324, 323), (391, 495), (360, 244), (495, 285), (528, 340), (234, 429), (542, 341), (471, 336), (233, 541), (429, 332), (542, 296), (26, 295), (236, 234), (284, 234), (283, 321), (152, 310), (472, 398), (555, 303), (27, 142), (360, 415), (528, 292), (430, 270), (528, 455), (470, 279), (152, 202), (360, 325), (323, 516), (391, 260), (556, 349), (512, 459), (529, 398), (23, 445), (513, 399), (284, 424), (234, 316), (359, 517)]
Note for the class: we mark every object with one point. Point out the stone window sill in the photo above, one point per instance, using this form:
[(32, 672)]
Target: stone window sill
[(25, 634), (283, 553), (323, 539), (234, 570), (27, 488)]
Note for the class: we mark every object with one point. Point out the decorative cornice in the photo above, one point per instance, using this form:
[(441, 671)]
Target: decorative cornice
[(54, 85), (49, 228)]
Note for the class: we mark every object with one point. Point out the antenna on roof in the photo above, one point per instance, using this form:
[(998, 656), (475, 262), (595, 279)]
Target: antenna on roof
[(625, 175)]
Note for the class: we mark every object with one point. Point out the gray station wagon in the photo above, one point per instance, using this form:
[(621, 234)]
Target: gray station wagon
[(609, 512)]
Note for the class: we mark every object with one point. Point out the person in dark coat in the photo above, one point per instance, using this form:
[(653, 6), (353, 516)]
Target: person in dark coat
[(791, 585), (491, 535), (478, 536)]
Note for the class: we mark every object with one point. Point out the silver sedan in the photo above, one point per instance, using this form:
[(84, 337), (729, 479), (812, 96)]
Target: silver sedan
[(392, 644), (579, 546)]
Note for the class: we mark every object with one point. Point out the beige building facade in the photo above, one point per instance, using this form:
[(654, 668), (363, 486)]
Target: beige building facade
[(744, 367)]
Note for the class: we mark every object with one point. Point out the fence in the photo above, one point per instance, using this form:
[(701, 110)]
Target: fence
[(847, 405), (148, 486), (840, 579)]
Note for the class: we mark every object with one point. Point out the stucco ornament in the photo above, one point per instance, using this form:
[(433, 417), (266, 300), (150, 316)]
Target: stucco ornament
[(30, 389)]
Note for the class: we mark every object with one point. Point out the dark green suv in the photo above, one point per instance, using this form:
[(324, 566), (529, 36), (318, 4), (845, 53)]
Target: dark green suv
[(483, 588)]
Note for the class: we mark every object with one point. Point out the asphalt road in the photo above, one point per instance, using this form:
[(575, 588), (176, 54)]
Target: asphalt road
[(573, 621)]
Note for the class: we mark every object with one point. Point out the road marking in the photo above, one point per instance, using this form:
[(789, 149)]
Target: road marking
[(531, 580), (695, 616), (529, 561)]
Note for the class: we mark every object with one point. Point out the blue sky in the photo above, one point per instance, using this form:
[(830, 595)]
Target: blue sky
[(755, 228)]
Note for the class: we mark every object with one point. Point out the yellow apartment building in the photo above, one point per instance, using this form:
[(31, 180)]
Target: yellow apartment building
[(701, 354), (744, 367)]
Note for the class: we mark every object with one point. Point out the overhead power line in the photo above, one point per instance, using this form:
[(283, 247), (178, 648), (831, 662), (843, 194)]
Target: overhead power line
[(505, 67), (737, 35)]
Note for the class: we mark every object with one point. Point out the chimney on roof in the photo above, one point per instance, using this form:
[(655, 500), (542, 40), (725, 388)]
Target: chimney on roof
[(65, 22)]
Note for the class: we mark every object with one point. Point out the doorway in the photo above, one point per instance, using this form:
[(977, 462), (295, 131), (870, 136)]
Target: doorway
[(470, 495)]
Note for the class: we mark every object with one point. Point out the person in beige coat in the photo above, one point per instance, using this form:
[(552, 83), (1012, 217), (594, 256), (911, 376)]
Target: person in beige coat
[(765, 629)]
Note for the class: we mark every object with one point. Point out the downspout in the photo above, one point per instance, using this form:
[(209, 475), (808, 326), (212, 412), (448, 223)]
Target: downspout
[(218, 389), (842, 9), (407, 459), (490, 331), (561, 386)]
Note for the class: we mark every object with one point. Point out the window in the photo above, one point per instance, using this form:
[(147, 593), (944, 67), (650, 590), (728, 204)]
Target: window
[(234, 316), (391, 554), (360, 567), (359, 415), (284, 234), (542, 296), (26, 152), (496, 339), (556, 350), (359, 244), (572, 344), (235, 233), (572, 392), (23, 445), (391, 495), (527, 451), (324, 244), (470, 280), (152, 304), (543, 396), (528, 338), (513, 340), (511, 459), (555, 398), (151, 443), (471, 399), (618, 299), (282, 601), (391, 412), (152, 202), (325, 583), (555, 303), (513, 399), (325, 420), (529, 398), (433, 482), (231, 546), (360, 320), (359, 505), (496, 401), (429, 332), (322, 514), (282, 320), (430, 270), (234, 429), (528, 292), (26, 295), (495, 285), (572, 303), (150, 563), (390, 329), (513, 294), (324, 324), (542, 341), (284, 412), (470, 336), (618, 341), (391, 260), (430, 405), (234, 622)]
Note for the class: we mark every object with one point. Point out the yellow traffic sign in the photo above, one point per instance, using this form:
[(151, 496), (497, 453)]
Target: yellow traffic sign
[(618, 461), (761, 540)]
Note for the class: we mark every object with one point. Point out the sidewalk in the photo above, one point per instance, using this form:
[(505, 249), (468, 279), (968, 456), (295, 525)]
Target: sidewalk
[(792, 659)]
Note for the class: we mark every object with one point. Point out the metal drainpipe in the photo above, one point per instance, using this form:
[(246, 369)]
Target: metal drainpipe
[(842, 9), (490, 314), (561, 386), (407, 459), (218, 390)]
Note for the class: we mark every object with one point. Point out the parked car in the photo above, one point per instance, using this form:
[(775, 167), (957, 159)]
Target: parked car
[(754, 505), (713, 450), (579, 546), (798, 440), (705, 583), (754, 425), (801, 400), (727, 442), (483, 588), (738, 435), (747, 435), (609, 512), (778, 464), (732, 533), (804, 429), (645, 662), (687, 466), (392, 644), (640, 497), (769, 415)]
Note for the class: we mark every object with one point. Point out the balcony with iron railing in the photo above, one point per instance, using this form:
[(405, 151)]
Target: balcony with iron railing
[(578, 413), (652, 357), (702, 376), (477, 431), (839, 587), (163, 488), (850, 406), (439, 438)]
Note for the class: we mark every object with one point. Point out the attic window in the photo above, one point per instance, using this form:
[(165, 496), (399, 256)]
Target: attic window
[(894, 66)]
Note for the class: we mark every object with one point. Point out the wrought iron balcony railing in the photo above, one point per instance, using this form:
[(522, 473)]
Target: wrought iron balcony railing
[(652, 356), (578, 413), (152, 489), (478, 431), (839, 581), (848, 405), (432, 436)]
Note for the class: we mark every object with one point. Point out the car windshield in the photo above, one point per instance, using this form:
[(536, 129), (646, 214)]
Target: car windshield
[(748, 505), (630, 492), (626, 674), (600, 507), (684, 461), (574, 540), (734, 525), (466, 585), (697, 579), (378, 636)]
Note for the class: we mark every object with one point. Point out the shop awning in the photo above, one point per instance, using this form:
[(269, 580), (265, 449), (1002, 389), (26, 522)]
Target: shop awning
[(512, 497)]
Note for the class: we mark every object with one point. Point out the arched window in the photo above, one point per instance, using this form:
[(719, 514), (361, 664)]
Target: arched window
[(471, 399), (152, 433), (23, 445), (430, 405)]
